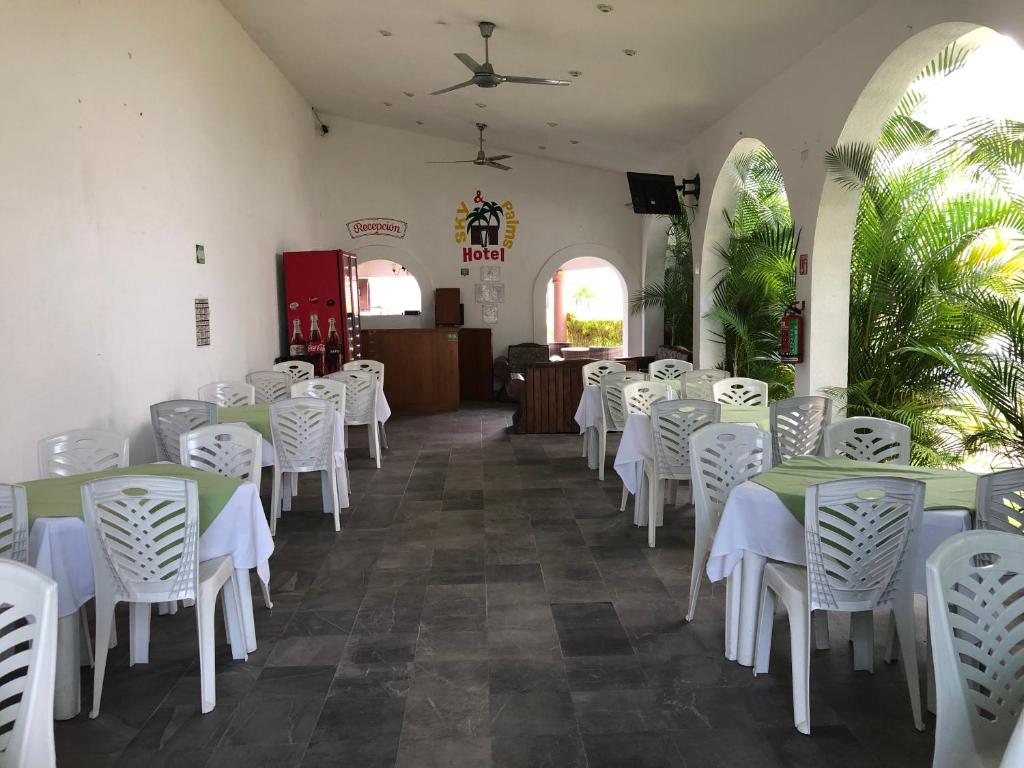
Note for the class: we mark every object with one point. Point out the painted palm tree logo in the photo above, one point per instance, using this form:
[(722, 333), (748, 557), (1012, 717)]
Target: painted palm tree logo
[(483, 223)]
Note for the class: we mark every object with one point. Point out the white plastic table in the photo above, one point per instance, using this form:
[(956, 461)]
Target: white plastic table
[(756, 527), (58, 547)]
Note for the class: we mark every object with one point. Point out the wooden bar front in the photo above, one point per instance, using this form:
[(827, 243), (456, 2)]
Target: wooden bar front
[(421, 366)]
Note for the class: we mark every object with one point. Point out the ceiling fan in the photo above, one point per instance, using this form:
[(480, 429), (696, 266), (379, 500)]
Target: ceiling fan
[(484, 74), (481, 158)]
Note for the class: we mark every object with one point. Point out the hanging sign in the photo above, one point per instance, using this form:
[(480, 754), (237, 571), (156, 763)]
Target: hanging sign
[(377, 226), (485, 231)]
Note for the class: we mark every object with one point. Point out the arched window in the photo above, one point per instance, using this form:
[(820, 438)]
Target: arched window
[(388, 288)]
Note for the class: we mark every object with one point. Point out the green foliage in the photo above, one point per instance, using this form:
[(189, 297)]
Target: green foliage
[(758, 280), (593, 333), (936, 322)]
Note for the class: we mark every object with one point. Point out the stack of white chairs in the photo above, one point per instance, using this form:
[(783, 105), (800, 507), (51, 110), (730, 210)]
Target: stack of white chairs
[(361, 405), (299, 370), (592, 375), (326, 389), (798, 426), (228, 394), (303, 430), (976, 618), (699, 384), (172, 418), (861, 537), (158, 562), (668, 370), (721, 457), (13, 523), (1000, 501), (673, 422), (739, 390), (638, 397), (270, 386), (864, 438), (377, 369), (613, 409), (28, 649)]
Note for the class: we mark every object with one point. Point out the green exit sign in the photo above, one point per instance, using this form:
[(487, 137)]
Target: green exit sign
[(453, 337), (464, 271)]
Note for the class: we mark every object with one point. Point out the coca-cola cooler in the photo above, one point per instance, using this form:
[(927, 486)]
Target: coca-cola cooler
[(322, 307)]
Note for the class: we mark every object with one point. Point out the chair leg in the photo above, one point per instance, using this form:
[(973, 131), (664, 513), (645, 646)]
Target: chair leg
[(206, 605), (275, 501), (383, 434), (374, 438), (603, 446), (83, 616), (700, 556), (266, 594), (655, 492), (819, 622), (583, 451), (625, 498), (890, 639), (733, 591), (234, 621), (862, 634), (104, 621), (332, 479), (765, 624), (903, 610), (800, 652), (673, 488), (138, 632)]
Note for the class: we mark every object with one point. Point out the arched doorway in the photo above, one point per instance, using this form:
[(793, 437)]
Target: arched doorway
[(585, 309), (388, 288)]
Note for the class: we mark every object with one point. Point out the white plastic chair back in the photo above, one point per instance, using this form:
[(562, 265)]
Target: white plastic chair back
[(594, 372), (28, 661), (798, 426), (231, 450), (228, 394), (143, 536), (668, 370), (360, 396), (673, 421), (373, 366), (13, 523), (1000, 502), (721, 457), (172, 418), (1013, 757), (298, 369), (976, 618), (639, 396), (739, 390), (80, 451), (864, 438), (325, 389), (270, 386), (303, 430), (697, 385), (612, 385), (860, 536)]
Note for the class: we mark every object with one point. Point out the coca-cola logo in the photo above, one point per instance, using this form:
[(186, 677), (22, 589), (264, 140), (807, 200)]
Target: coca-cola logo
[(377, 226)]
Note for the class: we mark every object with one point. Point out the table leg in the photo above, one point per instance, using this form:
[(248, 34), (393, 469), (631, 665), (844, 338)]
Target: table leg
[(592, 447), (245, 596), (862, 634), (750, 595), (67, 694)]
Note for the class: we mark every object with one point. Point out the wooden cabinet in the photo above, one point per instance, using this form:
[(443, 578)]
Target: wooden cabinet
[(421, 366), (447, 306), (551, 393), (476, 364)]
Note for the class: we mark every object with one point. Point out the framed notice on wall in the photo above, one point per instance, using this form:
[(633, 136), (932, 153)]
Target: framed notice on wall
[(489, 313), (490, 293), (490, 273)]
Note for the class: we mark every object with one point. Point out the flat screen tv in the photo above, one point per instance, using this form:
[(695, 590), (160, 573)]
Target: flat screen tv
[(653, 193)]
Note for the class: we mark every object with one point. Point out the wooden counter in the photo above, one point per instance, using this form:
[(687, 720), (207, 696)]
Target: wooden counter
[(421, 366)]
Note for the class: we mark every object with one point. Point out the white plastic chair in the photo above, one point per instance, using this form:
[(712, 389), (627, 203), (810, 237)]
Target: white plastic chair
[(1013, 757), (143, 536), (739, 390), (270, 386), (698, 384), (639, 396), (861, 537), (976, 617), (300, 370), (13, 523), (798, 426), (325, 389), (864, 438), (613, 409), (303, 430), (594, 372), (1000, 501), (228, 394), (28, 649), (172, 418), (377, 369), (672, 422), (80, 451), (668, 369), (361, 405), (721, 457)]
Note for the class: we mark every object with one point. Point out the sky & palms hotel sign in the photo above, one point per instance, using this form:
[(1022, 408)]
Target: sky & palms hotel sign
[(485, 231)]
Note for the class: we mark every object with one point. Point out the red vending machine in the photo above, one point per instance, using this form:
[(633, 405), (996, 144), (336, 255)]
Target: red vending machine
[(322, 307)]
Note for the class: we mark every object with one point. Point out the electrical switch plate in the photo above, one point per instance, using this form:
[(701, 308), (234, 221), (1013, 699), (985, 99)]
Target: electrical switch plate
[(200, 254)]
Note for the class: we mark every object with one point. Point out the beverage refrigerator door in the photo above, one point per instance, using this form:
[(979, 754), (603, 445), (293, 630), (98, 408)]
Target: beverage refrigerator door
[(350, 269), (312, 287)]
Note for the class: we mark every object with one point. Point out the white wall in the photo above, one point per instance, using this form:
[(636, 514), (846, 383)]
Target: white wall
[(804, 111), (129, 131), (370, 171)]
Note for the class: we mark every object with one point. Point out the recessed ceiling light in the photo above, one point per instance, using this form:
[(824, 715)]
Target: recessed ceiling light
[(541, 147), (575, 73), (419, 122), (574, 141), (629, 51), (605, 8), (442, 22), (385, 33), (410, 94), (481, 105), (552, 125), (387, 103)]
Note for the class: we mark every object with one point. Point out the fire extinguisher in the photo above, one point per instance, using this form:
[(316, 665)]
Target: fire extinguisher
[(791, 338)]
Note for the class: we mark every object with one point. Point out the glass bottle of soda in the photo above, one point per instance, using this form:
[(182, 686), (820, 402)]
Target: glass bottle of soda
[(333, 355), (316, 347), (297, 346)]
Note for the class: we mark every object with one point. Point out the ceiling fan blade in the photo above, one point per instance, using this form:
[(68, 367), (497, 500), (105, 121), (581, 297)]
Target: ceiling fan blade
[(452, 88), (500, 157), (447, 162), (499, 166), (469, 61), (532, 80)]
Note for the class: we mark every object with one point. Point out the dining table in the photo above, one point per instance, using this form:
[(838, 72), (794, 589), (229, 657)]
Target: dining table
[(231, 522), (763, 520)]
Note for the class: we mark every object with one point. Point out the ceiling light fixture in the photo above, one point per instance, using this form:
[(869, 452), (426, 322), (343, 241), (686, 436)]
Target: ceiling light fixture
[(419, 122), (629, 51), (481, 105), (387, 103), (605, 8), (541, 147), (574, 141), (410, 94), (385, 33), (552, 125), (575, 73)]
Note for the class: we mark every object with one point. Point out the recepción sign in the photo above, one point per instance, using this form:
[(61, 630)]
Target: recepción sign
[(377, 226)]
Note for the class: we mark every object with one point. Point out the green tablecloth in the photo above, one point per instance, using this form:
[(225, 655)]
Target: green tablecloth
[(945, 488), (62, 496), (256, 416), (756, 414)]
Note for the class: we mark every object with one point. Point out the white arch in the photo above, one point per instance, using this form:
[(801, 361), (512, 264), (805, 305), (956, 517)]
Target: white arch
[(630, 331), (828, 284), (416, 268)]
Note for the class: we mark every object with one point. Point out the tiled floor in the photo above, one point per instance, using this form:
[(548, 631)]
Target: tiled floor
[(486, 604)]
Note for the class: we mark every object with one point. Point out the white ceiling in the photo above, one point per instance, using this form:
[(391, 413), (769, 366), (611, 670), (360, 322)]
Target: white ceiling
[(695, 60)]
